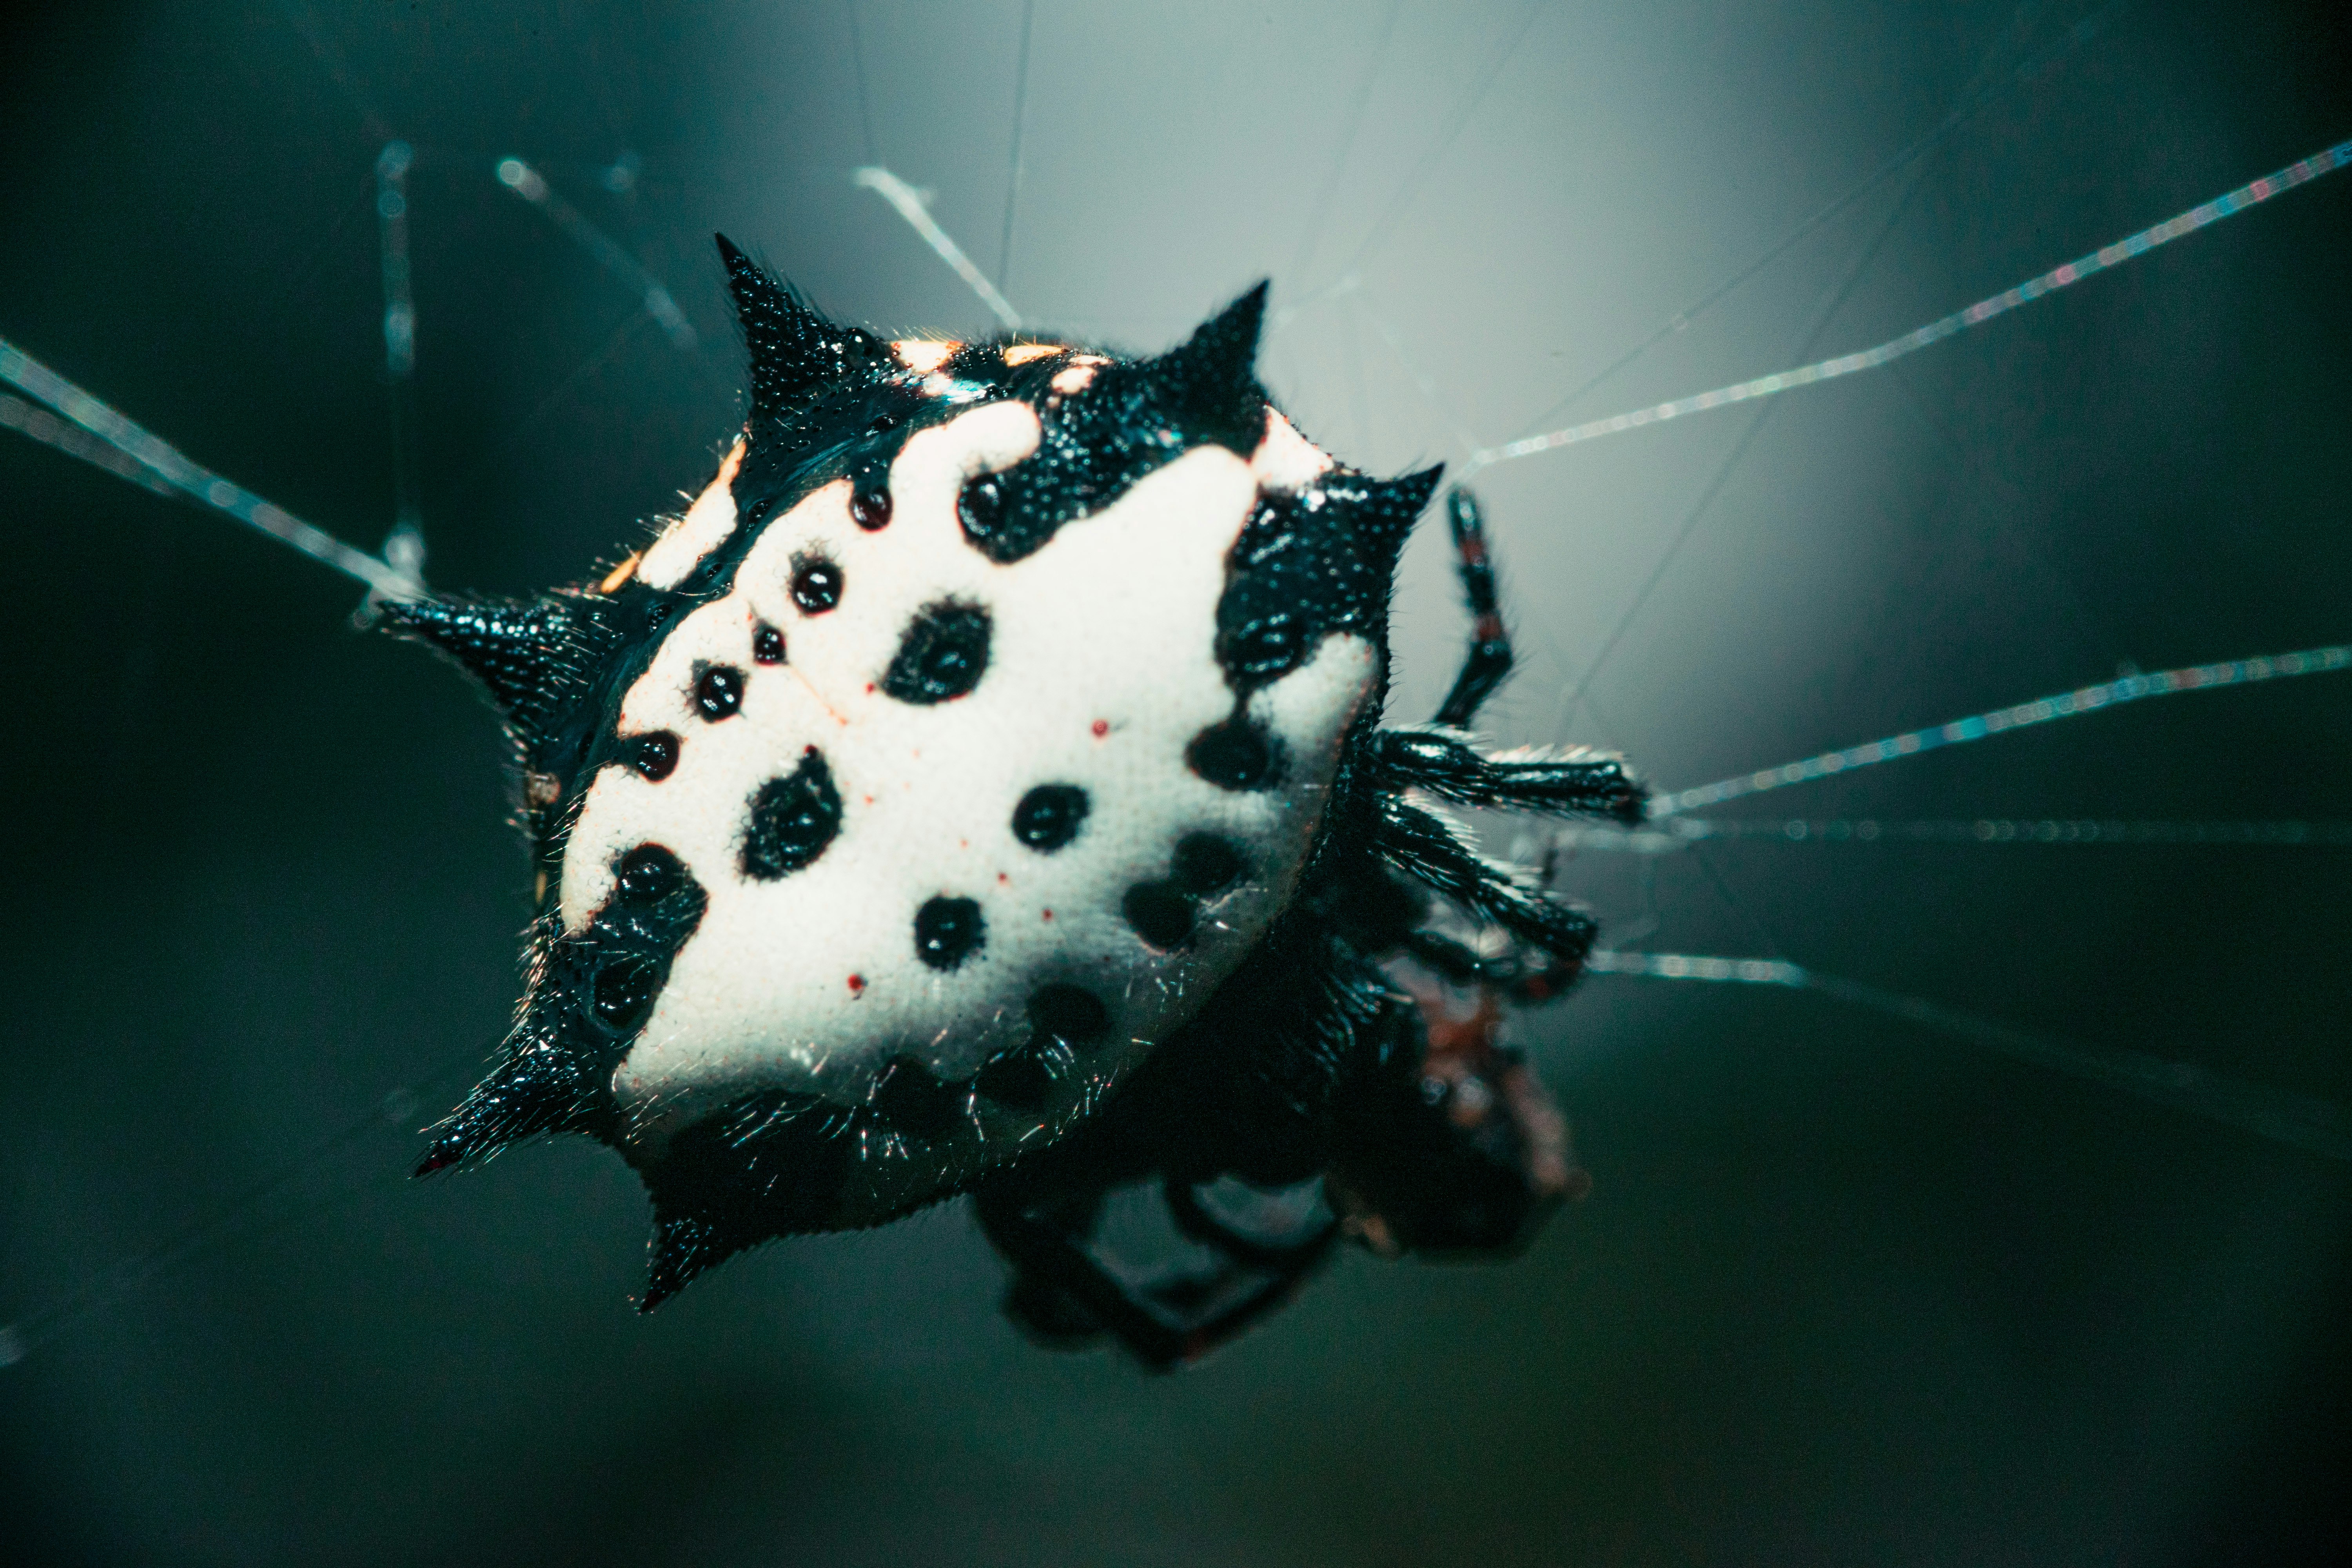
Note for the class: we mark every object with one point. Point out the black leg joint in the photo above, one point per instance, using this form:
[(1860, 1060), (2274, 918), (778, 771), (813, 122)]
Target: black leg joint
[(1489, 661)]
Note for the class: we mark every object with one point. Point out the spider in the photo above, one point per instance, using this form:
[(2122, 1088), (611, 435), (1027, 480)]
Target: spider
[(1848, 1278), (981, 789)]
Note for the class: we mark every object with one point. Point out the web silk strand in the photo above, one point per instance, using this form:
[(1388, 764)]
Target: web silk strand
[(2301, 1122), (1680, 833), (2043, 711), (35, 380), (908, 203), (528, 182), (2127, 249)]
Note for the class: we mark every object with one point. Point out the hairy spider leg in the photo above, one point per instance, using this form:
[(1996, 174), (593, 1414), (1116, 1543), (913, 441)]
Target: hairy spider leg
[(1063, 1294), (1489, 662), (1563, 783)]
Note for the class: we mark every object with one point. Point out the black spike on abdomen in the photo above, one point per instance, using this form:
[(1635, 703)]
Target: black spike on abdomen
[(1211, 380), (794, 350), (592, 992), (530, 655), (769, 1164), (1137, 417), (1309, 565), (542, 1086)]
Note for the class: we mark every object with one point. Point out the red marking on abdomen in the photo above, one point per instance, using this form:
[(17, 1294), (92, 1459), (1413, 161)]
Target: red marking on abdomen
[(856, 985), (1102, 727)]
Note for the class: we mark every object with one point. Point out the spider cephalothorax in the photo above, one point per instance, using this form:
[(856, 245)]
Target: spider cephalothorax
[(980, 786)]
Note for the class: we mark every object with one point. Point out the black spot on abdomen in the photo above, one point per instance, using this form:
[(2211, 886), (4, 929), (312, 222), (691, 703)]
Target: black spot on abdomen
[(647, 873), (1064, 1019), (1159, 914), (718, 692), (793, 818), (869, 495), (622, 992), (980, 506), (1265, 649), (907, 1095), (949, 930), (1019, 1078), (1310, 564), (655, 755), (1235, 753), (1206, 864), (1049, 817), (616, 968), (942, 655), (817, 584)]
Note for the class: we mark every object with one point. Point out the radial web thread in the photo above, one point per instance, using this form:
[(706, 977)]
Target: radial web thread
[(1680, 833), (660, 304), (2253, 194), (2301, 1122), (29, 375), (2043, 711)]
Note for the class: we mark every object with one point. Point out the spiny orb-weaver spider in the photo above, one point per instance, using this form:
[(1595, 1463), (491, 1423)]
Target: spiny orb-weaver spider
[(981, 788)]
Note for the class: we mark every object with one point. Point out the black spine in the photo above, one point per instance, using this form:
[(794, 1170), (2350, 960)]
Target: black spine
[(1211, 377), (794, 351), (530, 655)]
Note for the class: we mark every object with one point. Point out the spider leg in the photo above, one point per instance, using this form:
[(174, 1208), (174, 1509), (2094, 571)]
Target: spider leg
[(1489, 659), (1572, 783), (1451, 961), (1192, 1205), (1463, 1156), (1425, 847), (1069, 1285), (1522, 977), (1278, 1237), (1033, 1241)]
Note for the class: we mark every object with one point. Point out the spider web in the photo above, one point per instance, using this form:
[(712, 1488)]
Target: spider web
[(139, 457), (2313, 1124), (1415, 393)]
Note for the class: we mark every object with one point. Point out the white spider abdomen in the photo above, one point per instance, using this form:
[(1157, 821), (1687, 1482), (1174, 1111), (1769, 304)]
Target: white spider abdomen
[(1100, 676)]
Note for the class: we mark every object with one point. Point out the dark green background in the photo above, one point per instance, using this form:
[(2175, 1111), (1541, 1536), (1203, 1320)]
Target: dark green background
[(1845, 1291)]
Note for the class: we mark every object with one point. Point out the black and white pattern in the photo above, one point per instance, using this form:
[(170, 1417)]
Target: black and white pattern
[(979, 787), (1010, 740)]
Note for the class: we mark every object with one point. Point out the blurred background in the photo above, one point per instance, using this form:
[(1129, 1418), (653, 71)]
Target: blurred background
[(1847, 1291)]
